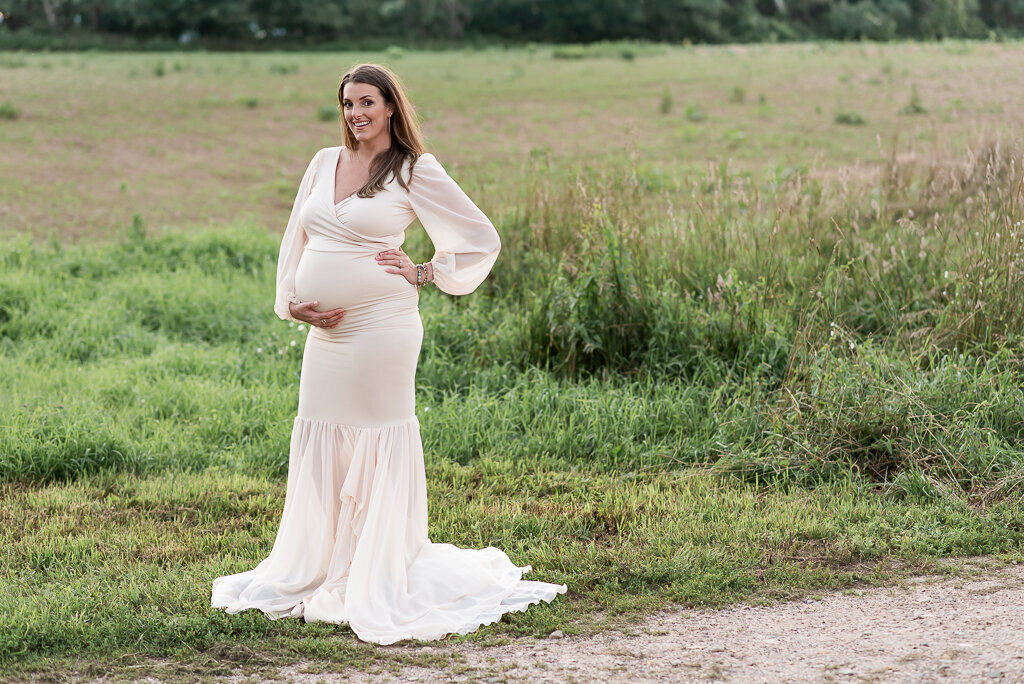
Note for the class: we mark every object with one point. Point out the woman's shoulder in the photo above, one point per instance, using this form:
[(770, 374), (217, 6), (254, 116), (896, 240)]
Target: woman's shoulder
[(322, 154), (315, 164), (425, 162), (328, 150)]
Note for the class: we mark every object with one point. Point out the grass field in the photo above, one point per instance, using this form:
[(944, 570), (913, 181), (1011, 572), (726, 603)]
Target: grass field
[(201, 139), (755, 331)]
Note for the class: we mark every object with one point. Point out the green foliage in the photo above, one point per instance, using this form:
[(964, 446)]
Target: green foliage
[(569, 52), (621, 30), (9, 112), (327, 113), (863, 19), (283, 69), (607, 49), (665, 106), (848, 118), (695, 113), (909, 425), (915, 107)]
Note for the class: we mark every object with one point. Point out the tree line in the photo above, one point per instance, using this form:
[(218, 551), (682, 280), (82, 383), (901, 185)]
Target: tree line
[(307, 23)]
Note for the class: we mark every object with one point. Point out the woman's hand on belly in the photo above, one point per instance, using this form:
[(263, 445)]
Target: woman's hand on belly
[(306, 311)]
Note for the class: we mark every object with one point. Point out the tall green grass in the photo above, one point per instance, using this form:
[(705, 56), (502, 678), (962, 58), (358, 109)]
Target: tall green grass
[(783, 326)]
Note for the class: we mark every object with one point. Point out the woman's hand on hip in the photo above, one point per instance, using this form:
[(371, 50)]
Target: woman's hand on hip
[(398, 262), (306, 311)]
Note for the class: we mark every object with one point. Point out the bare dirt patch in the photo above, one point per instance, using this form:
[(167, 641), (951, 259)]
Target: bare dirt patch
[(925, 629)]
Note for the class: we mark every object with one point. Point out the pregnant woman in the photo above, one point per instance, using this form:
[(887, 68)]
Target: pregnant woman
[(352, 546)]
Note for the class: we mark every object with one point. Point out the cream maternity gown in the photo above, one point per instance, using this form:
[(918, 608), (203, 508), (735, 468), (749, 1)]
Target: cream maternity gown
[(352, 546)]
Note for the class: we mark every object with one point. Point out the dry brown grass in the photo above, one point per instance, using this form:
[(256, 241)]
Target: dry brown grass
[(102, 138)]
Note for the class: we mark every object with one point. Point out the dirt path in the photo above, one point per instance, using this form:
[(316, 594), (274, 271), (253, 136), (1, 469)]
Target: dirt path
[(960, 630)]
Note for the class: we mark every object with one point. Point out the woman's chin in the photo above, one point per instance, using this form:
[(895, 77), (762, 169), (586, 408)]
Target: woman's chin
[(364, 136)]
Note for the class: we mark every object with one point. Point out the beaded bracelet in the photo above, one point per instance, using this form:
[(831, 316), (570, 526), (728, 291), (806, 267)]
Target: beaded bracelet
[(421, 276)]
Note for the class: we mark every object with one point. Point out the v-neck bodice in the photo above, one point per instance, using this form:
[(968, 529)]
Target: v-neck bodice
[(371, 223), (465, 242), (334, 169)]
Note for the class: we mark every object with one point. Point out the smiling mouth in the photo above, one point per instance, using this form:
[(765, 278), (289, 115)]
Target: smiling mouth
[(361, 125)]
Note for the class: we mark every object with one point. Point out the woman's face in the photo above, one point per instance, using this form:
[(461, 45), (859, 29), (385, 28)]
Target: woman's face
[(366, 112)]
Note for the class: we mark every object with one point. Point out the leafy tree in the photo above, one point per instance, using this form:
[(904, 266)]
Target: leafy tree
[(304, 22)]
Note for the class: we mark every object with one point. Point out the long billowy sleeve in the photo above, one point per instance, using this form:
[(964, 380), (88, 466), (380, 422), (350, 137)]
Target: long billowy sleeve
[(465, 241), (292, 244)]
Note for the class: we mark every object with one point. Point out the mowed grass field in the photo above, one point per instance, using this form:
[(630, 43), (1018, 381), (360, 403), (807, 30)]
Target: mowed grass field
[(199, 139), (755, 332)]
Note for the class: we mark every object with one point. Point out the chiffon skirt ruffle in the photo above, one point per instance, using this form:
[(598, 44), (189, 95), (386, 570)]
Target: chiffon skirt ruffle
[(352, 546)]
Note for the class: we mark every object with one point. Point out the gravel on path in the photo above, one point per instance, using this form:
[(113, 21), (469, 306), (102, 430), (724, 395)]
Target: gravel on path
[(926, 629)]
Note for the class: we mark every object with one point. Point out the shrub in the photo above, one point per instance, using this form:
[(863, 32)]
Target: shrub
[(569, 52), (695, 113), (850, 118), (665, 106), (915, 107), (283, 69), (627, 50)]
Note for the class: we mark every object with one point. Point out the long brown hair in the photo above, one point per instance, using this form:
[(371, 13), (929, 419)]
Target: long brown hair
[(406, 139)]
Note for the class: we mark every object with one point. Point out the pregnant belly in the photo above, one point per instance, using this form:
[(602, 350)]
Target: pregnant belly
[(349, 280)]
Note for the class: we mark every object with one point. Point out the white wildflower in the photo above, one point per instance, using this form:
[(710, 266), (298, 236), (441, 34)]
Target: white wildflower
[(259, 350), (292, 343)]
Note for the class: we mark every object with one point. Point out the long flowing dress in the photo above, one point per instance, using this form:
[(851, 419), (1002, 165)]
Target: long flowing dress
[(352, 546)]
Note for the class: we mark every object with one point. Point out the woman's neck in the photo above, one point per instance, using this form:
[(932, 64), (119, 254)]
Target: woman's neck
[(368, 151)]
